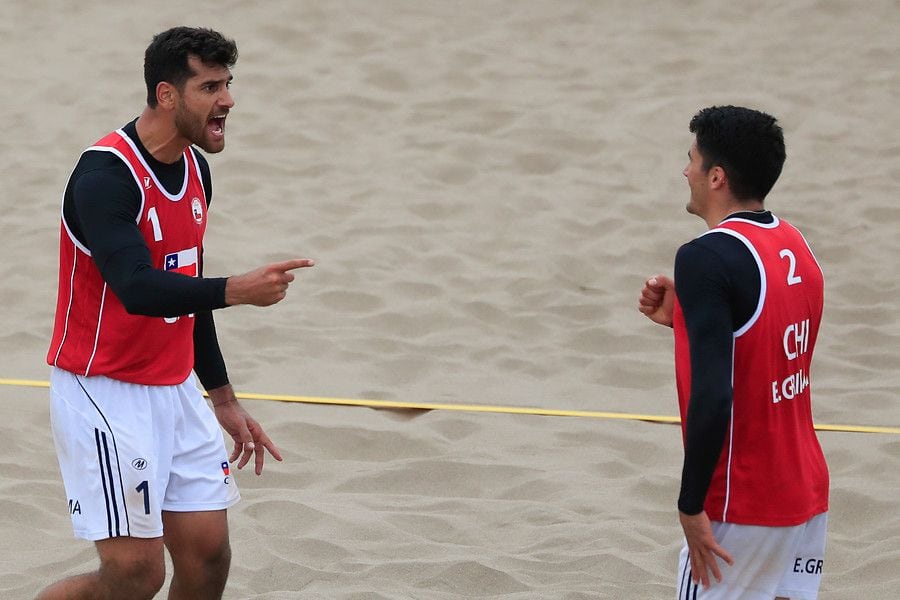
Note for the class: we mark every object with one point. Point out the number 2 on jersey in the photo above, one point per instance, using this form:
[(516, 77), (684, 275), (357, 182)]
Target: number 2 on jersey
[(792, 277)]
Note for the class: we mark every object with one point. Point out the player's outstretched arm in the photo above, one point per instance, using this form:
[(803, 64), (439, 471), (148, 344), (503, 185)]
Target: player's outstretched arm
[(263, 286), (657, 299)]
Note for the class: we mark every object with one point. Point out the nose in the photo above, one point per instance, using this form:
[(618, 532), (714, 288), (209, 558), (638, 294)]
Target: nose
[(226, 100)]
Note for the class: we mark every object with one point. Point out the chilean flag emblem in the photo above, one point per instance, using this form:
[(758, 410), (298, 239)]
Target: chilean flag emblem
[(184, 262)]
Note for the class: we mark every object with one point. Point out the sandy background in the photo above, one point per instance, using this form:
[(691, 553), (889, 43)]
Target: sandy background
[(484, 185)]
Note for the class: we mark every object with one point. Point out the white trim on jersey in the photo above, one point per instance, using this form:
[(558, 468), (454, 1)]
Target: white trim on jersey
[(87, 369), (137, 179), (730, 442), (762, 275), (62, 340), (199, 173), (140, 157), (62, 216)]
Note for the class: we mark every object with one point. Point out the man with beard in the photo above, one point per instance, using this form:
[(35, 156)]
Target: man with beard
[(142, 456)]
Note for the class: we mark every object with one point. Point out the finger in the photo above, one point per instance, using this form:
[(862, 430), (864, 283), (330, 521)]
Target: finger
[(648, 305), (246, 455), (650, 300), (295, 263), (260, 460), (273, 449), (243, 445), (699, 567), (238, 445), (653, 292), (723, 554), (714, 567), (263, 443)]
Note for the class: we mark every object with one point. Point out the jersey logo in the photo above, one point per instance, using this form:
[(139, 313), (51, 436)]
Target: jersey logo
[(139, 464), (197, 209), (147, 184), (184, 262)]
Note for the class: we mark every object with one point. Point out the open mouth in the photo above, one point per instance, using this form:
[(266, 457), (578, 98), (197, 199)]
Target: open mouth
[(216, 125)]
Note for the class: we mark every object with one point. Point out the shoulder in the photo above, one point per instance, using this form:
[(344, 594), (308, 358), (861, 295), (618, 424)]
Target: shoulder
[(99, 165), (713, 246), (101, 169), (101, 174), (728, 249), (94, 159), (715, 258)]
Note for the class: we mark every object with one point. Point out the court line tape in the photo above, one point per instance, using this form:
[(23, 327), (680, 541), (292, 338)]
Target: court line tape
[(511, 410)]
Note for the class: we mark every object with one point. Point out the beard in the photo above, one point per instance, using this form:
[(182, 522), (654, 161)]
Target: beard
[(193, 128)]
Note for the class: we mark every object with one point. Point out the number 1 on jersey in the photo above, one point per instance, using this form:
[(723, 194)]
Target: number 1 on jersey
[(792, 277), (154, 220)]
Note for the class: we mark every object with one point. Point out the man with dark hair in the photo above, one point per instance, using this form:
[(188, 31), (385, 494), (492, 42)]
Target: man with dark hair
[(142, 456), (745, 306)]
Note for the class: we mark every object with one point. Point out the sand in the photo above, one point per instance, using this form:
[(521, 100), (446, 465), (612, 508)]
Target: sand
[(484, 186)]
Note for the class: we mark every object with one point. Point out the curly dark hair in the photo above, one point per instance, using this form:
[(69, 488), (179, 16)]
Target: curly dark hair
[(746, 143), (166, 58)]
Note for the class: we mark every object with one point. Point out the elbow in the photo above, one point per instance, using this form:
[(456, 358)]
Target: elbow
[(135, 306), (136, 301)]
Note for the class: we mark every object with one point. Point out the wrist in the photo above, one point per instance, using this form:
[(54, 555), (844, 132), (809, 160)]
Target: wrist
[(228, 292), (222, 396)]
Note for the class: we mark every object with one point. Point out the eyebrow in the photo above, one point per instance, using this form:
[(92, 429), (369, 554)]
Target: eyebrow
[(210, 81)]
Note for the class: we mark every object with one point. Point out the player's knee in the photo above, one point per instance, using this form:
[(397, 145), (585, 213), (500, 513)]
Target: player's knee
[(209, 562), (217, 560), (135, 578)]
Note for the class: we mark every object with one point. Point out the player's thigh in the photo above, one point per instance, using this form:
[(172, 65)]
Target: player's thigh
[(113, 462), (199, 476), (803, 573)]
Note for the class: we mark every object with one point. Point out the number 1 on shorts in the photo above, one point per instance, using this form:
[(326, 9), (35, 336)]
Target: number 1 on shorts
[(144, 488)]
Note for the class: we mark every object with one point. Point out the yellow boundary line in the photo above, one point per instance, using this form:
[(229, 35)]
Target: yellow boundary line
[(512, 410)]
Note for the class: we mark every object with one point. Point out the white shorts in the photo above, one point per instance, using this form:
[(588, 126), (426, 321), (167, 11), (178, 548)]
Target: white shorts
[(127, 452), (769, 562)]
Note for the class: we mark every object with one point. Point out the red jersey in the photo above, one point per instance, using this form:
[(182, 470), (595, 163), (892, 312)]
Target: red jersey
[(772, 471), (93, 334)]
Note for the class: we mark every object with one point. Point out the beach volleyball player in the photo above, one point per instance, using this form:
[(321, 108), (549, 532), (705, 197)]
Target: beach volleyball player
[(141, 453), (745, 306)]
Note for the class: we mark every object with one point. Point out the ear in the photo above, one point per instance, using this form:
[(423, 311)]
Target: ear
[(166, 95), (717, 177)]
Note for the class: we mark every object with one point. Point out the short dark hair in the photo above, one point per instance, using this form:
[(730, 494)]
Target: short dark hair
[(746, 143), (166, 58)]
